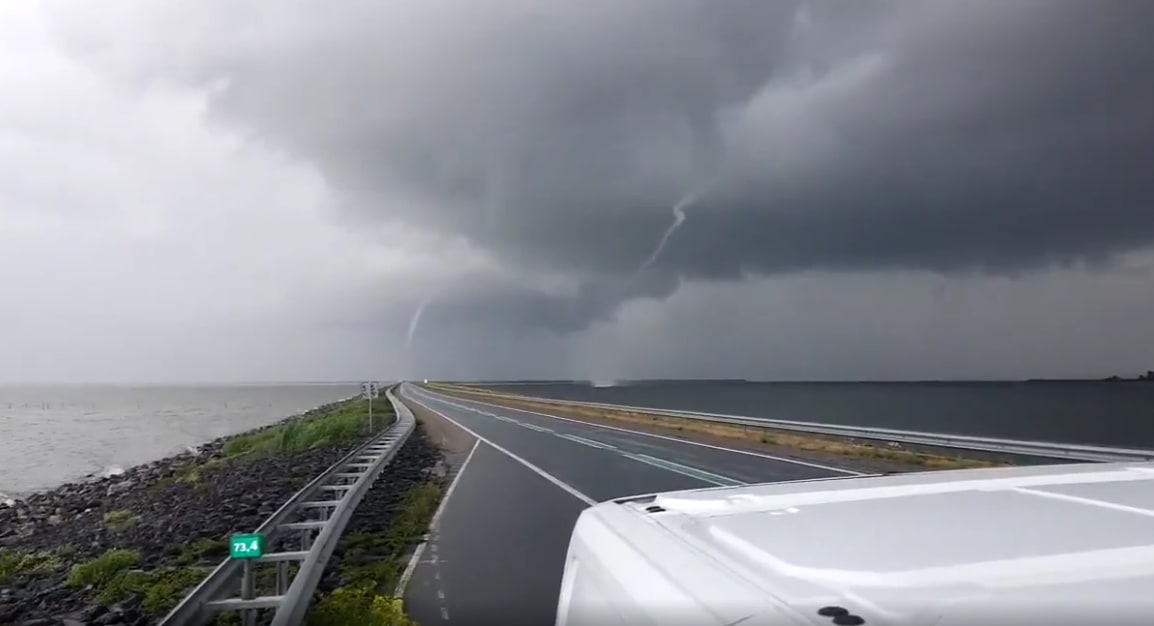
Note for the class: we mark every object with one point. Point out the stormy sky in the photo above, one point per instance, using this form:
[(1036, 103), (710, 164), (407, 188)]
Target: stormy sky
[(272, 189)]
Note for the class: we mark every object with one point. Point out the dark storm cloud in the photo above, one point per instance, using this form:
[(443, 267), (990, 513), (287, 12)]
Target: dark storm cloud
[(518, 306), (487, 302), (952, 136), (1002, 141)]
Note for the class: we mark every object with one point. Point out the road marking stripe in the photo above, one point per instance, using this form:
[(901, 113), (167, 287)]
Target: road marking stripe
[(771, 457), (693, 472), (540, 429), (412, 565), (570, 489), (671, 466), (587, 442)]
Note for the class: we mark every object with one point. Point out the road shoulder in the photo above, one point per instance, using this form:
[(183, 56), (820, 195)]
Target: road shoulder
[(496, 550)]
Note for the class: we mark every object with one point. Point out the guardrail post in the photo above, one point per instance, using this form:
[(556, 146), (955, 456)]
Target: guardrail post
[(281, 577), (247, 592)]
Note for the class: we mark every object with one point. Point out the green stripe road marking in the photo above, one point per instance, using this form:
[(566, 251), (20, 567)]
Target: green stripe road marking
[(700, 474)]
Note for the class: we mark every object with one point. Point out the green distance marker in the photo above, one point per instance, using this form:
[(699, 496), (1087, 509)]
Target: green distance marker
[(246, 547)]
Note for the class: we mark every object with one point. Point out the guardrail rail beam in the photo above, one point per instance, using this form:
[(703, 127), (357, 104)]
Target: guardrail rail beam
[(316, 538)]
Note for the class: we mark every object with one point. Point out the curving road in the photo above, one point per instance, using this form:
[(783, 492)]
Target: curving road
[(497, 547)]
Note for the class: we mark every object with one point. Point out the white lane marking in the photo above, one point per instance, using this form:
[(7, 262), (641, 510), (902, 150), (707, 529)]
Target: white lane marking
[(771, 457), (412, 565), (540, 429), (587, 442), (570, 489), (504, 419), (670, 466), (444, 613), (685, 470)]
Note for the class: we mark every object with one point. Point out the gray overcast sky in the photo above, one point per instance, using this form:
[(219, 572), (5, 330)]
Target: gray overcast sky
[(271, 189)]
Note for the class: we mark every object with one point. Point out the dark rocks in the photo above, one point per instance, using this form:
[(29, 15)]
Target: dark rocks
[(92, 613), (119, 487), (9, 613), (160, 510)]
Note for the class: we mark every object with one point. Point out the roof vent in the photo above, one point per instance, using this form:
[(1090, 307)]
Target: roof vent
[(654, 509)]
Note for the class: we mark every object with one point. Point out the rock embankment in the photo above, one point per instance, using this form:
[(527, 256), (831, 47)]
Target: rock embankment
[(164, 523)]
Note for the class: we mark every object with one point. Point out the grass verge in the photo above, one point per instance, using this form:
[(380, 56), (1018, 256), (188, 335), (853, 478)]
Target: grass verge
[(193, 475), (14, 564), (373, 563), (768, 436), (113, 579), (343, 422), (340, 423), (120, 520), (201, 549)]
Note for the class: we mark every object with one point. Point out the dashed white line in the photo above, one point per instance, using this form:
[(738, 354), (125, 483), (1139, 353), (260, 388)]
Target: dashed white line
[(669, 466), (587, 442), (540, 429), (570, 489), (771, 457), (685, 470), (412, 564)]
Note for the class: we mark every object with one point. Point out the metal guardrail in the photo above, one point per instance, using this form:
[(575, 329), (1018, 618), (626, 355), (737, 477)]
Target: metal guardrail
[(334, 494), (1042, 449)]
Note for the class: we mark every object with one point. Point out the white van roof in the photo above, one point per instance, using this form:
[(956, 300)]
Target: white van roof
[(1071, 544)]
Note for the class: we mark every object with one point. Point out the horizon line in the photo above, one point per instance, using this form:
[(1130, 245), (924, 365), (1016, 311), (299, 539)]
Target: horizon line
[(270, 383)]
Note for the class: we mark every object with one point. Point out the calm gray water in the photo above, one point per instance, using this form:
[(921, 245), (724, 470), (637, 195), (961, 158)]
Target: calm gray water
[(1118, 414), (50, 435)]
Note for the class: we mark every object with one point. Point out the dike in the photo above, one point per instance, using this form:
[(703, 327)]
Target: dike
[(123, 550)]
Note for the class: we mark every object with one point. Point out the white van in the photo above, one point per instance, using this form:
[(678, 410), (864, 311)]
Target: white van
[(1058, 544)]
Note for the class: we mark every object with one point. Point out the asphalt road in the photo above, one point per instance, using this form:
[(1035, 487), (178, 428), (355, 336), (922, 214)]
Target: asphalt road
[(498, 547)]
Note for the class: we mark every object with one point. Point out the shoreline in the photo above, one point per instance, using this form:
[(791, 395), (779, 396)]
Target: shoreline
[(194, 450), (122, 549), (65, 434)]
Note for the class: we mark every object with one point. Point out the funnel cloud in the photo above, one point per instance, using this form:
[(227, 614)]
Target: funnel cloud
[(526, 152), (678, 218)]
